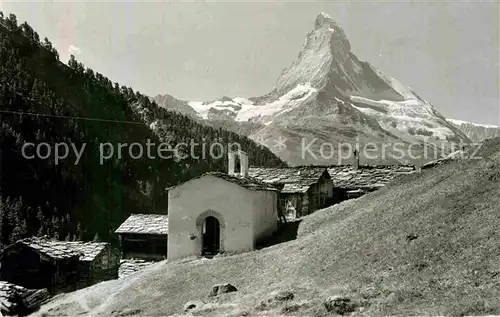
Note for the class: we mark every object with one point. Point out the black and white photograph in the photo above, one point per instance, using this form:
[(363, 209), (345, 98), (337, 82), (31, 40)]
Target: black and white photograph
[(249, 158)]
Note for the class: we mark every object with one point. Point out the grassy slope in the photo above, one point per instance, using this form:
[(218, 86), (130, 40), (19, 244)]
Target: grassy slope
[(358, 248)]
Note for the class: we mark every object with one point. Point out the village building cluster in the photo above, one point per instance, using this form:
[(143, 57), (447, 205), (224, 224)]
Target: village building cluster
[(210, 214), (233, 212)]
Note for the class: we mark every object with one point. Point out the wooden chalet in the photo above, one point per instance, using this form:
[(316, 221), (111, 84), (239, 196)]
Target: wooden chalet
[(305, 189), (144, 236), (58, 266), (98, 262)]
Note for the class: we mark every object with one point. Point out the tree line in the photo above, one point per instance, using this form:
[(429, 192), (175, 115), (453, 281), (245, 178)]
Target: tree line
[(45, 100)]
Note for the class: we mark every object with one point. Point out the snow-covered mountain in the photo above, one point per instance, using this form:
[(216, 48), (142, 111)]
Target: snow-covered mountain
[(329, 98), (475, 131)]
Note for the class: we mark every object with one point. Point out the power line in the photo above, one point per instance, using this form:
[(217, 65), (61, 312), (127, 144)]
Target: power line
[(67, 117)]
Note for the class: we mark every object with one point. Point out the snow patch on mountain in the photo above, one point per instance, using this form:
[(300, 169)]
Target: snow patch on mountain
[(459, 122), (245, 110), (203, 108), (409, 117), (409, 107), (475, 131), (285, 103), (243, 101)]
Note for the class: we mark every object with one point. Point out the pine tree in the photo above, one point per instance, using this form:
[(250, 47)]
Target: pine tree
[(41, 222), (47, 44), (79, 232), (28, 31), (72, 63), (56, 227), (11, 21)]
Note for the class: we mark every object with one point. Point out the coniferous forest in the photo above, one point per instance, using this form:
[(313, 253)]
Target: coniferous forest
[(43, 100)]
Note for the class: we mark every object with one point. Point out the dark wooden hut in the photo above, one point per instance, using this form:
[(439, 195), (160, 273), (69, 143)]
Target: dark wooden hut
[(58, 266), (98, 262), (144, 236)]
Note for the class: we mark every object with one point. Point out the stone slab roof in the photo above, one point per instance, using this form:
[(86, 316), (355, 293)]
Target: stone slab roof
[(85, 251), (295, 188), (145, 224), (366, 177), (450, 158), (130, 266), (245, 182), (295, 179)]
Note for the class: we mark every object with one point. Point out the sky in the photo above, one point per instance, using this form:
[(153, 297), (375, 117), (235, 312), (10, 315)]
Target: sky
[(446, 51)]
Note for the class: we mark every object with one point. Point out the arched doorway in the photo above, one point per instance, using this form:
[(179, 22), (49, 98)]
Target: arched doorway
[(210, 237)]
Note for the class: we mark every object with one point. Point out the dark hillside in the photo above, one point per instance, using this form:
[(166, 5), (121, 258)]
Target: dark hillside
[(43, 100)]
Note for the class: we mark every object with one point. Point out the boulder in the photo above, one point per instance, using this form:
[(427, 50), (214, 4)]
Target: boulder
[(193, 305), (291, 307), (339, 304), (276, 298), (222, 289), (282, 296)]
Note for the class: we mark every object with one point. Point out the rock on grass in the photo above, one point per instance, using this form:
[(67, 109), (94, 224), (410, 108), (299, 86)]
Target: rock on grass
[(339, 304), (222, 289), (276, 298), (193, 305)]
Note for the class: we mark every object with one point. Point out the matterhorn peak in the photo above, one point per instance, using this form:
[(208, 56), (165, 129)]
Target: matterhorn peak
[(323, 20), (325, 24), (327, 94), (325, 16), (324, 49)]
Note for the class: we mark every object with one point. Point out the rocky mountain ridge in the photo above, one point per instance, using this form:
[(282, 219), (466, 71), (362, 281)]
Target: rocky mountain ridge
[(329, 98), (475, 131)]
